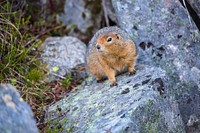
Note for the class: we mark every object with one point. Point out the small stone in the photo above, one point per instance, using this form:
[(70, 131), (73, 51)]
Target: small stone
[(125, 91)]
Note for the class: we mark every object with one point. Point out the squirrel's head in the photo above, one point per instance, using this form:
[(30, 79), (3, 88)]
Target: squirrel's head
[(110, 43)]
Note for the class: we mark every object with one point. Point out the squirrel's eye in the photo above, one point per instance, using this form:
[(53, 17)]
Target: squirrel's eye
[(109, 39)]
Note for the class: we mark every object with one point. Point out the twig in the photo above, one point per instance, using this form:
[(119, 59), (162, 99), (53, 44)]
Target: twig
[(62, 77), (3, 40), (7, 22), (105, 12), (51, 6), (57, 75), (41, 34), (17, 73), (7, 33)]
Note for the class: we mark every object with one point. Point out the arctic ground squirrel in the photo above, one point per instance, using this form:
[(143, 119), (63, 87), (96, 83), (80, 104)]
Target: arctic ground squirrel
[(109, 53)]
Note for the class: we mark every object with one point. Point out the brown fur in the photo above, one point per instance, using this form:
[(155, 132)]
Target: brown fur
[(112, 57)]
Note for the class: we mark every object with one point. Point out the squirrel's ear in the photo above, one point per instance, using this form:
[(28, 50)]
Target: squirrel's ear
[(118, 36)]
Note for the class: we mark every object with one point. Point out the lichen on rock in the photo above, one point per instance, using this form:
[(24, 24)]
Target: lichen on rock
[(99, 107)]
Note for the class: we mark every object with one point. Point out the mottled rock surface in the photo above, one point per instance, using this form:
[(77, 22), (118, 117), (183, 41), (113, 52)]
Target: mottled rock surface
[(165, 38), (85, 14), (135, 105), (15, 115), (62, 54)]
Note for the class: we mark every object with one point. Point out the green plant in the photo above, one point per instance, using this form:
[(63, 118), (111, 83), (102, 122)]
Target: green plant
[(67, 81), (16, 59), (54, 126)]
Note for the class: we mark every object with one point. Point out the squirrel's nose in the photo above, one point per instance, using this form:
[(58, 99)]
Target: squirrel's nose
[(98, 47)]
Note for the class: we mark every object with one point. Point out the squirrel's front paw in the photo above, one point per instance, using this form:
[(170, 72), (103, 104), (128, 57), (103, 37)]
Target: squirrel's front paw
[(132, 73), (100, 81), (113, 84)]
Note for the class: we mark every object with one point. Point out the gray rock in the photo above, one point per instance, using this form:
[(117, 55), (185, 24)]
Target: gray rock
[(64, 53), (15, 114), (195, 4), (135, 105), (166, 38), (195, 75), (85, 14)]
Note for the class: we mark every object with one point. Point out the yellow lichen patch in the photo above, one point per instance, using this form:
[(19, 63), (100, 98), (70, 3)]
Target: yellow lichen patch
[(8, 101), (21, 99)]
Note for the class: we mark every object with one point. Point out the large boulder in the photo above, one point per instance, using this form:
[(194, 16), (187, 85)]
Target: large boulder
[(15, 114), (62, 54), (137, 104), (166, 38)]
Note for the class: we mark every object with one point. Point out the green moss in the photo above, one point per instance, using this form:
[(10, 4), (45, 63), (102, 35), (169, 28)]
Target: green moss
[(134, 36), (55, 126), (178, 129), (178, 21), (152, 121), (136, 21), (34, 75), (152, 125)]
